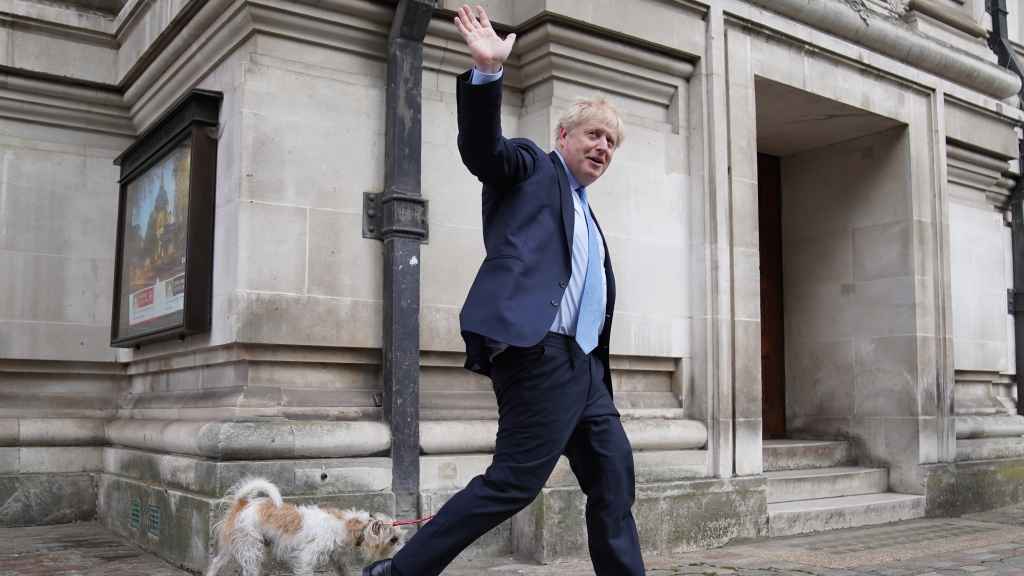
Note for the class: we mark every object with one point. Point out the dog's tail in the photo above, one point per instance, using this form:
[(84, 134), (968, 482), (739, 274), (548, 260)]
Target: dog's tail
[(250, 487), (236, 500)]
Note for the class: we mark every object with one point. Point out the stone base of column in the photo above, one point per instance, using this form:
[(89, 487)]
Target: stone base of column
[(968, 449), (670, 516), (989, 426), (50, 498), (48, 470), (677, 507), (960, 488), (168, 504)]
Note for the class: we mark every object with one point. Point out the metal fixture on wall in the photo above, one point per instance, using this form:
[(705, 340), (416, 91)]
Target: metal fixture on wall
[(999, 41), (398, 217)]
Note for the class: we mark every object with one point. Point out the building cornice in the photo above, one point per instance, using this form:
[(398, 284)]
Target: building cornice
[(220, 26), (56, 14), (58, 102), (895, 41), (983, 174), (549, 47), (78, 33), (949, 16), (554, 48)]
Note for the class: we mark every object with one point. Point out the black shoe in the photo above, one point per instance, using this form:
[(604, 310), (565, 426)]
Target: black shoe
[(379, 568)]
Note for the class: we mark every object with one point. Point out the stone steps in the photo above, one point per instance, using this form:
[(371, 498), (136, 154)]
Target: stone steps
[(814, 486), (804, 454), (802, 516), (792, 485)]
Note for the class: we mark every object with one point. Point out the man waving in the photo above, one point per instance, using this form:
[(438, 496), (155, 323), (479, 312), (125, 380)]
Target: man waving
[(537, 320)]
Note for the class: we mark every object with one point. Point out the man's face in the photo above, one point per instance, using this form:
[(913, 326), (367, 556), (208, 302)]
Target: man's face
[(587, 149)]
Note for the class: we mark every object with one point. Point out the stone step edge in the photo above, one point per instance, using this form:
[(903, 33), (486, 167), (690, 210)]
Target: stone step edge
[(875, 509), (802, 473), (779, 455), (840, 481), (840, 502)]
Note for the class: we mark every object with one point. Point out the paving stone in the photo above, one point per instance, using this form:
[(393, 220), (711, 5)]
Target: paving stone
[(935, 547)]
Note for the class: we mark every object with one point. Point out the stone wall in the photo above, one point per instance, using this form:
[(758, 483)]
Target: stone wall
[(851, 314), (287, 381)]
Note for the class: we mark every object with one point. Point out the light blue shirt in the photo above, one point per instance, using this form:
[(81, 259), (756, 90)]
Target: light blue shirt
[(569, 310)]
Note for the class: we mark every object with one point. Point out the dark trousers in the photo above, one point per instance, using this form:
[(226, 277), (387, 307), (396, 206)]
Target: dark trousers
[(551, 401)]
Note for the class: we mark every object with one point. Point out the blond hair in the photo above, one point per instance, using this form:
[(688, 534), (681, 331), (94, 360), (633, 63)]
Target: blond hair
[(589, 109)]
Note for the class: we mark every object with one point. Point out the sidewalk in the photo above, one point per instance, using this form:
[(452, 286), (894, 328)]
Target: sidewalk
[(978, 545)]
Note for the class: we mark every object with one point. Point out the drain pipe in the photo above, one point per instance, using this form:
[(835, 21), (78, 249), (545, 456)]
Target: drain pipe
[(999, 41), (398, 217)]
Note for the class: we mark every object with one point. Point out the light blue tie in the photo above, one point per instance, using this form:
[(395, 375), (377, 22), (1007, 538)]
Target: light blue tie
[(592, 302)]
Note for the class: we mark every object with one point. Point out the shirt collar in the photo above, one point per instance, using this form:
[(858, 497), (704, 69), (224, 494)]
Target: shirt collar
[(573, 183)]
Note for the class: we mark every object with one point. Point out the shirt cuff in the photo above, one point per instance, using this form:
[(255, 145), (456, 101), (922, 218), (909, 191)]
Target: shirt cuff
[(478, 77)]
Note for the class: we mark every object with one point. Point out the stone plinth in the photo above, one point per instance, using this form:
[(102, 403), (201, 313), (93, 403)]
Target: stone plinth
[(169, 504), (670, 516)]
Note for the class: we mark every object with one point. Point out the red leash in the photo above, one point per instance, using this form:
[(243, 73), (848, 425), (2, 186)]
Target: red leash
[(416, 521)]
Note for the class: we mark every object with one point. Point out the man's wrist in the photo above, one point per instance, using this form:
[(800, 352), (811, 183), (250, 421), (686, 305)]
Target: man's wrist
[(488, 68), (477, 77)]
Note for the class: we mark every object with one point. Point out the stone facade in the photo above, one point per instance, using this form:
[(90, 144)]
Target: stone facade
[(893, 128)]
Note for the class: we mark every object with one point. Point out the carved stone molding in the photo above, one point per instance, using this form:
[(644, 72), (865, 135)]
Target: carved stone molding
[(892, 39), (554, 50), (889, 8), (103, 6), (220, 26), (474, 436), (42, 367), (549, 48), (57, 103), (980, 393), (252, 440), (52, 431), (980, 173), (989, 426), (949, 16)]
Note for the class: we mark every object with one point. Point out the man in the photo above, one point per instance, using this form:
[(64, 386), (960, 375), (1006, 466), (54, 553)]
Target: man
[(537, 321)]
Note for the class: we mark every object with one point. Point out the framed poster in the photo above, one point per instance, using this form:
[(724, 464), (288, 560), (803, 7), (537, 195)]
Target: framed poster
[(163, 275)]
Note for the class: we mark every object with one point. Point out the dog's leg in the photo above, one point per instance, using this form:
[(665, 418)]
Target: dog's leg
[(218, 562), (249, 555), (339, 567), (304, 565)]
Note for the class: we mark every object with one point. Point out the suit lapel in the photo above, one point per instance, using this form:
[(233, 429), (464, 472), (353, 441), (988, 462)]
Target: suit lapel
[(564, 194)]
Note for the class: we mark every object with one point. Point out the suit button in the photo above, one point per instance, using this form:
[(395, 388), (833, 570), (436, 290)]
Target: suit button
[(554, 303), (563, 284)]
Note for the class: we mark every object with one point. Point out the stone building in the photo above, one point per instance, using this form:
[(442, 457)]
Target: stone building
[(808, 222)]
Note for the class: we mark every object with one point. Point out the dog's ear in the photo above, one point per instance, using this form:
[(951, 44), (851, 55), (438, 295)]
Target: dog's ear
[(376, 527)]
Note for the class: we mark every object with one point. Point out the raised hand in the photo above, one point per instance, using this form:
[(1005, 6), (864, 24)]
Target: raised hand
[(488, 50)]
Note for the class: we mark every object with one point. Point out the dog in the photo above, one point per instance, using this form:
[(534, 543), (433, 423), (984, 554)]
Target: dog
[(306, 538)]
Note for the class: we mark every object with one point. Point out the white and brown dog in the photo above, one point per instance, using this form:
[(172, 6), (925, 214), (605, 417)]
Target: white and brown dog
[(307, 538)]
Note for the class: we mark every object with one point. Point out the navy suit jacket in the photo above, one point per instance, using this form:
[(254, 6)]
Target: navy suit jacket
[(527, 223)]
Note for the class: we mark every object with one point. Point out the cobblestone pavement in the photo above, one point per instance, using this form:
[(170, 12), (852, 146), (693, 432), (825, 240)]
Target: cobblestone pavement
[(986, 544), (75, 549)]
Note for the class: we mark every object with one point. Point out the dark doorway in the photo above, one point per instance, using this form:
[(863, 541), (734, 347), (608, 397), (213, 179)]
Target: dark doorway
[(773, 356)]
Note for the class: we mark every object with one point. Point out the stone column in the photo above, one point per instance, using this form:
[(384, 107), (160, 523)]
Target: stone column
[(985, 407)]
